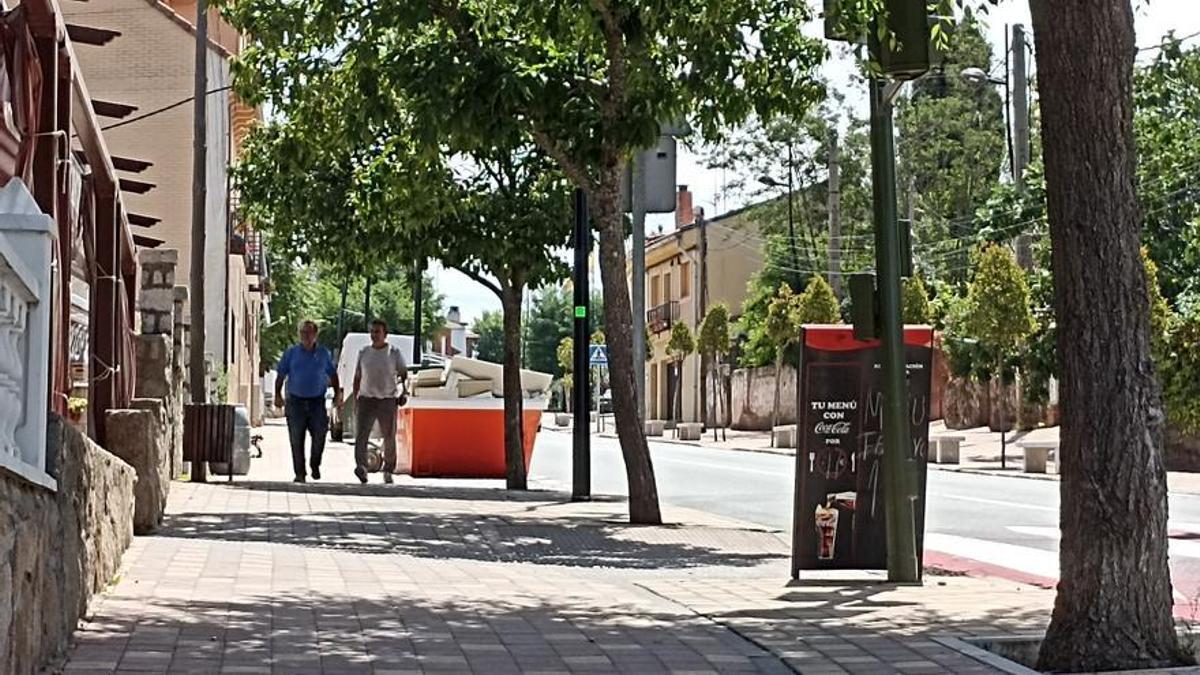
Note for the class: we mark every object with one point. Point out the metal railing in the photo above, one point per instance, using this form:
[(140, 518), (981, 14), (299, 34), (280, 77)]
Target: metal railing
[(254, 252), (661, 318)]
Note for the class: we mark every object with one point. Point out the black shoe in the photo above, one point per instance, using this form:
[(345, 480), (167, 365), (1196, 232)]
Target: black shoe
[(298, 479), (316, 473), (362, 474)]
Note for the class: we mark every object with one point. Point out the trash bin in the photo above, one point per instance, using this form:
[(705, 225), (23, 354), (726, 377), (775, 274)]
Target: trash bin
[(241, 445)]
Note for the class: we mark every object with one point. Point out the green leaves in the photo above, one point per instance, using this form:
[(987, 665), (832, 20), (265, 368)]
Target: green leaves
[(915, 302), (1167, 126), (818, 304), (490, 328), (682, 343), (595, 78), (997, 312), (714, 331)]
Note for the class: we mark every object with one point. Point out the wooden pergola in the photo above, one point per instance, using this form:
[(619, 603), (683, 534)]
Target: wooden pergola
[(46, 80)]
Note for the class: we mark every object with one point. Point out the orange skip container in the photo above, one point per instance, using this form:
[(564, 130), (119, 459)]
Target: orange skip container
[(458, 442)]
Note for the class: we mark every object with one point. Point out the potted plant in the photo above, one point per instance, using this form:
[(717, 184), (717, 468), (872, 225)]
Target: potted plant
[(75, 409)]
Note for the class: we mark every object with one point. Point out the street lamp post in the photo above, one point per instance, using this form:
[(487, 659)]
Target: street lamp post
[(770, 181), (1017, 124)]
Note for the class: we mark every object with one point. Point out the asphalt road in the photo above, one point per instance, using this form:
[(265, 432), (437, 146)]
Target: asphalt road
[(997, 522)]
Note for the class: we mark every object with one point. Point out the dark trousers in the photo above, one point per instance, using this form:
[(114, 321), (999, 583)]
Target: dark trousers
[(306, 415), (368, 411)]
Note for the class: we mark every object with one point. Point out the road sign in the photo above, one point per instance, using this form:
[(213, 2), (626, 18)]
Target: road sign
[(598, 355)]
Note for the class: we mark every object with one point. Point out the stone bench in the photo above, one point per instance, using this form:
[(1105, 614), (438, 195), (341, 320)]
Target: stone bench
[(945, 448), (1037, 454), (785, 436), (655, 427), (689, 431)]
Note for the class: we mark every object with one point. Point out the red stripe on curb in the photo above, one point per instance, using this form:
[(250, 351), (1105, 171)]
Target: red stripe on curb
[(975, 568)]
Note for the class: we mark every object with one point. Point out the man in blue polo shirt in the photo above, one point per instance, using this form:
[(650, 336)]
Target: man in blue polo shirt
[(309, 371)]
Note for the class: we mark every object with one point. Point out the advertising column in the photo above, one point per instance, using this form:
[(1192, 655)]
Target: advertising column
[(838, 514)]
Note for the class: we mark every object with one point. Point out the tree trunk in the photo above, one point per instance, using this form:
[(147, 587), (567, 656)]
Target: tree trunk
[(1113, 610), (618, 330), (514, 436), (677, 404), (716, 407), (778, 379)]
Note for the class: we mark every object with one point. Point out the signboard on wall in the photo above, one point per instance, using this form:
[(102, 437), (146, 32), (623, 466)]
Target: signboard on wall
[(838, 513)]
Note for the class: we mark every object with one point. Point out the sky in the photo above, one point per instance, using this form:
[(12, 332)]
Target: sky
[(1154, 19)]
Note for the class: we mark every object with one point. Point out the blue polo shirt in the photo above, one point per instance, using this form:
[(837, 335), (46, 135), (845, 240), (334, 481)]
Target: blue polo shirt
[(307, 372)]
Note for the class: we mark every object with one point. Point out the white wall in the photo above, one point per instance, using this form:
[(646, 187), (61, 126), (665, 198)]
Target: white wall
[(216, 269)]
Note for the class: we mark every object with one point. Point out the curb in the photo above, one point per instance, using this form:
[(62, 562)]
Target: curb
[(993, 472)]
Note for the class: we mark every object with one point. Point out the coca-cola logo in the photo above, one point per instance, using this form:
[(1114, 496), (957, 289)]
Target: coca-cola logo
[(832, 428)]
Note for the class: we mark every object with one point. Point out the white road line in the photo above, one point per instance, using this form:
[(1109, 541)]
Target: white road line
[(1177, 548), (723, 467), (1020, 558), (1025, 559), (995, 502)]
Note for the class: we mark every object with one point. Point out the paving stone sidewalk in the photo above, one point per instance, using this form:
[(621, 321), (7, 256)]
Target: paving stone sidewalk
[(264, 576)]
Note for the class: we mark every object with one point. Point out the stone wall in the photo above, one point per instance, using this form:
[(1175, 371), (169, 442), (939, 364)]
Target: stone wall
[(752, 397), (57, 549), (157, 379), (137, 437)]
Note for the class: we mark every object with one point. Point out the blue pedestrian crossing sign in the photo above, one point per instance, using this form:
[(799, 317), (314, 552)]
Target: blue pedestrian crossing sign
[(598, 355)]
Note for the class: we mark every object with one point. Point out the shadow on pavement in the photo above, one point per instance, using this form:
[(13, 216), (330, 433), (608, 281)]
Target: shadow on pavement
[(465, 523), (881, 607), (325, 633), (475, 537), (411, 491)]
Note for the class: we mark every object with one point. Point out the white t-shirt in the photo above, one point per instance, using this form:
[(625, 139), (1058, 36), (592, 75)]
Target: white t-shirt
[(380, 369)]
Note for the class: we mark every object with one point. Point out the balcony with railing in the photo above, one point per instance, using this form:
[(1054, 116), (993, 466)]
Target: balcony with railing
[(254, 252), (660, 319)]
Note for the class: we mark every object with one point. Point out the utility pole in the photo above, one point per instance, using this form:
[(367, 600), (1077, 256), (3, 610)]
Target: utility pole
[(1020, 98), (910, 203), (341, 319), (638, 285), (367, 306), (899, 486), (418, 309), (581, 453), (835, 214), (702, 226), (196, 367), (799, 280)]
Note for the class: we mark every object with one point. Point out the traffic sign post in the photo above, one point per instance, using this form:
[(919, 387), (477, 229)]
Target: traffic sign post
[(581, 456), (598, 355), (598, 358)]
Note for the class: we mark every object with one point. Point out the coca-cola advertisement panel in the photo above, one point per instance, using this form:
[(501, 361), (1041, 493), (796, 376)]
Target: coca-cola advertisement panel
[(838, 519)]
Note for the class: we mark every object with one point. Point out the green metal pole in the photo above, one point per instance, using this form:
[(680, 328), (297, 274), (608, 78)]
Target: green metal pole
[(903, 565)]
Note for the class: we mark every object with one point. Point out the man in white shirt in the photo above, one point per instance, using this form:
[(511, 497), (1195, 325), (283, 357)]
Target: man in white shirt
[(376, 391)]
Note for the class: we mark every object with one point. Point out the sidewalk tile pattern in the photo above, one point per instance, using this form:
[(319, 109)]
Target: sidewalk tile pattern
[(261, 576)]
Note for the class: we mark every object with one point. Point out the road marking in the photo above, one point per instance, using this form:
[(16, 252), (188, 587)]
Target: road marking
[(994, 502), (1025, 559), (722, 467), (1176, 548)]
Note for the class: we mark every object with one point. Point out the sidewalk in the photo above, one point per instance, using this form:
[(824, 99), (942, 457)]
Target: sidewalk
[(979, 452), (459, 576)]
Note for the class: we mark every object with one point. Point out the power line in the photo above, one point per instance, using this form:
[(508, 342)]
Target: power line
[(1172, 39), (162, 110)]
